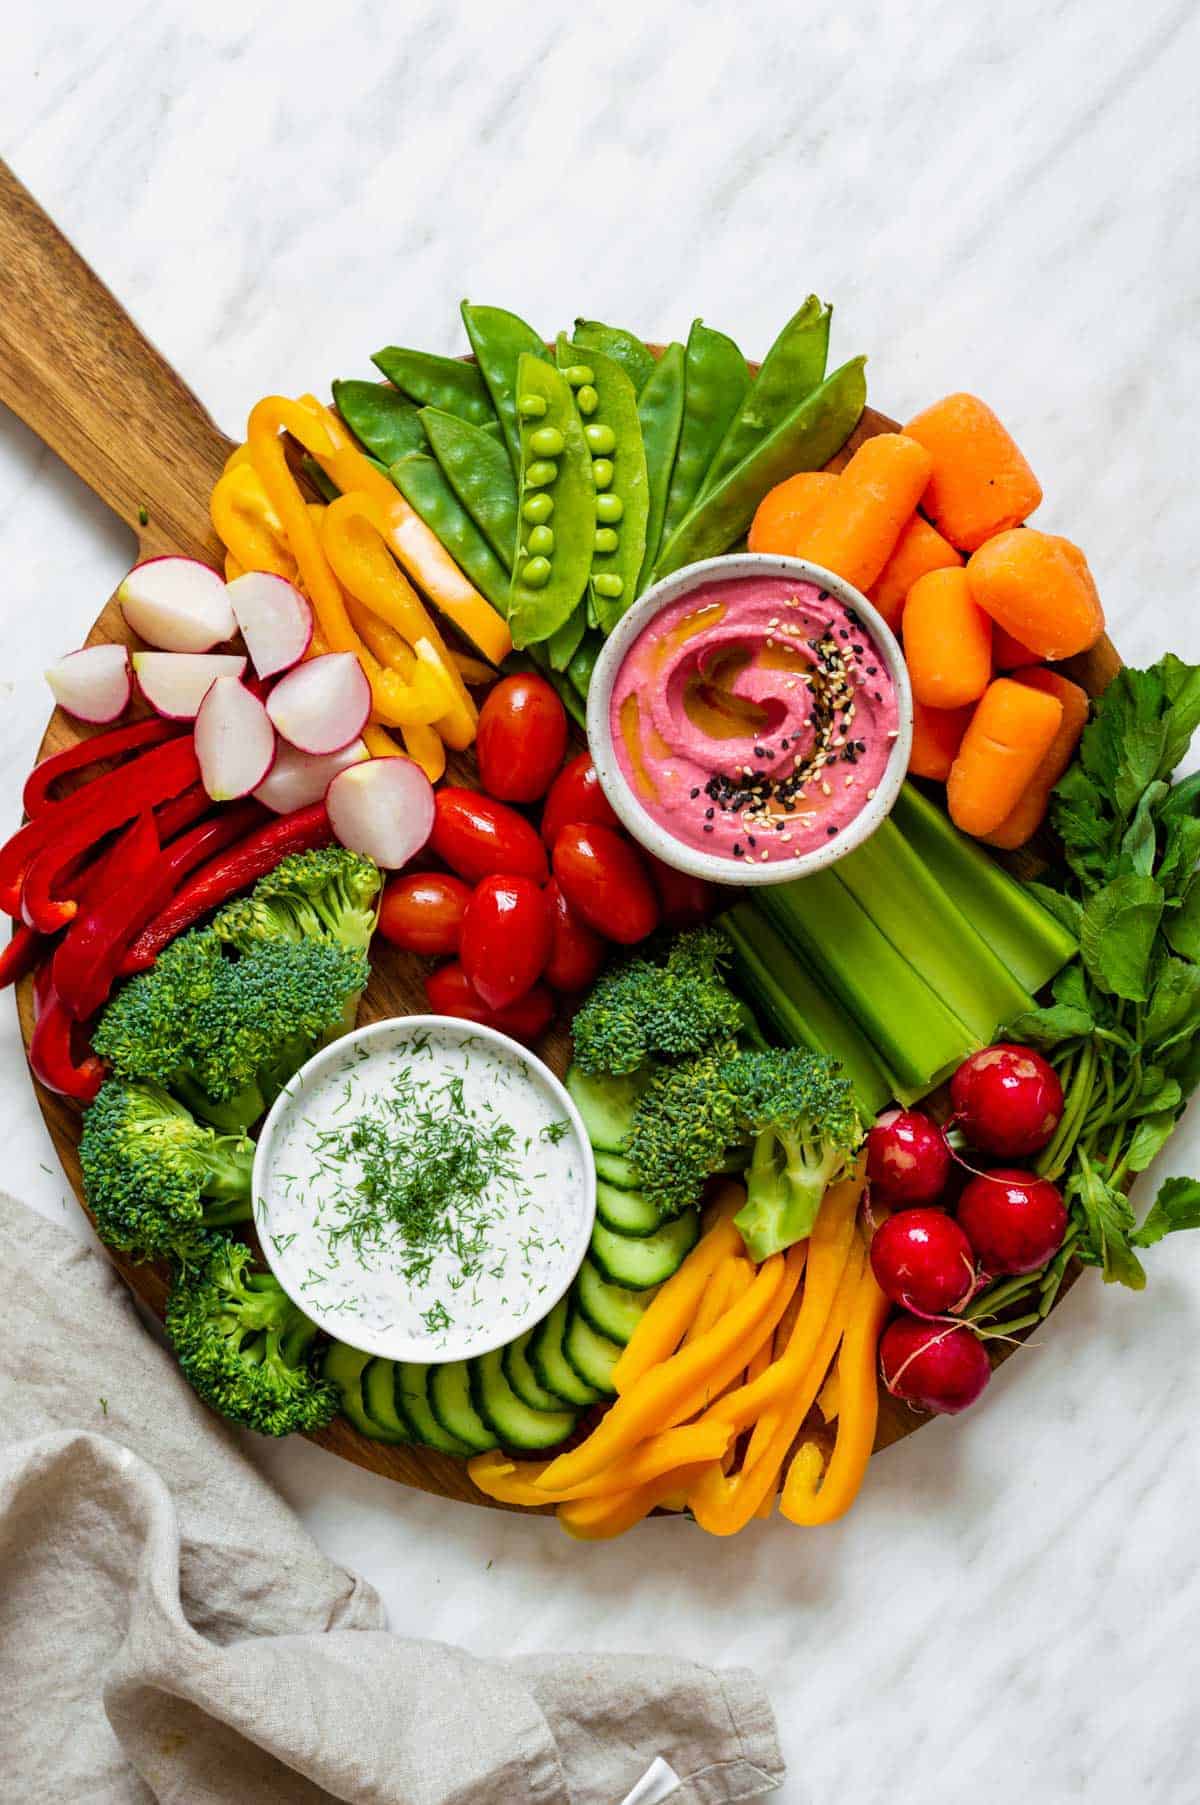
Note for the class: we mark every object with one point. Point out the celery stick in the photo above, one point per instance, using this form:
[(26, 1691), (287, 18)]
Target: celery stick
[(906, 902), (1014, 924), (916, 1035), (792, 1005)]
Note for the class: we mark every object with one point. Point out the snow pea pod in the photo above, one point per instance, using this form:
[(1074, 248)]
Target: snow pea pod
[(383, 422), (584, 663), (557, 503), (481, 476), (499, 339), (607, 403), (805, 440), (792, 369), (660, 411), (422, 482), (632, 355), (563, 644), (716, 380), (432, 381)]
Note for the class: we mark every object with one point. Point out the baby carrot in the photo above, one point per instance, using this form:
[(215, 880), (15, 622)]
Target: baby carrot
[(1038, 588), (947, 640), (1022, 822), (937, 735), (1010, 733), (919, 548), (1008, 654), (784, 508), (854, 530), (981, 483)]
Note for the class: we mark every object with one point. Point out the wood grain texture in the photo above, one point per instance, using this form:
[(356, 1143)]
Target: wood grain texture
[(75, 368)]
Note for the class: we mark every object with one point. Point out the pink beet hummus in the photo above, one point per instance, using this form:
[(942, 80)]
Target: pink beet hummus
[(753, 718)]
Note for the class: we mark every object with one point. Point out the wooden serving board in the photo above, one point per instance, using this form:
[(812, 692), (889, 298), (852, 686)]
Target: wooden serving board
[(75, 368)]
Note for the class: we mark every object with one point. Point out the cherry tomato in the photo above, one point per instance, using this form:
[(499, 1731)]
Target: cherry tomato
[(521, 738), (479, 838), (575, 795), (686, 901), (449, 992), (505, 938), (603, 878), (528, 1017), (576, 953), (423, 912)]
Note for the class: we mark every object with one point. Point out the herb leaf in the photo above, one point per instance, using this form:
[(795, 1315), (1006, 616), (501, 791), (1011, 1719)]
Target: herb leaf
[(1176, 1207), (1117, 935)]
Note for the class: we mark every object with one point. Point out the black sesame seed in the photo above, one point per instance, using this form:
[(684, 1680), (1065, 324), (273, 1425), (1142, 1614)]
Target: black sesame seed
[(738, 852), (694, 794), (707, 829), (829, 830), (708, 814)]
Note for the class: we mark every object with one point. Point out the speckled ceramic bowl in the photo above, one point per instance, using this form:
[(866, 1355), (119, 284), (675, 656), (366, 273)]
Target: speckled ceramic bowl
[(642, 826)]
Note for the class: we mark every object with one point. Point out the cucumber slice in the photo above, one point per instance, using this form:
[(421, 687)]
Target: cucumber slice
[(379, 1396), (626, 1212), (450, 1401), (412, 1398), (503, 1411), (606, 1105), (593, 1356), (551, 1366), (639, 1264), (343, 1367), (616, 1170), (523, 1379), (612, 1310)]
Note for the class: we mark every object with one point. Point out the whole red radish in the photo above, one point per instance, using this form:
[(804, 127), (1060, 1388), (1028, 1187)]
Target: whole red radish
[(1014, 1220), (576, 952), (479, 838), (576, 795), (908, 1160), (423, 912), (521, 738), (933, 1366), (1007, 1100), (604, 879), (505, 938), (924, 1262), (686, 900)]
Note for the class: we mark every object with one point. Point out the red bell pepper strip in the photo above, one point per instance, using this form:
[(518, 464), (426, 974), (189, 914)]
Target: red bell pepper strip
[(51, 1054), (302, 831), (172, 817), (21, 954), (134, 736), (156, 777)]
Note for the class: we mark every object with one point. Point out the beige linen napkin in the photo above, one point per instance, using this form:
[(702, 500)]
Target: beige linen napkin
[(168, 1630)]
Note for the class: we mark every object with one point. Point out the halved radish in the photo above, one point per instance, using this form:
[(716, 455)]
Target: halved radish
[(175, 683), (383, 808), (275, 619), (323, 704), (235, 742), (177, 604), (93, 683), (297, 779)]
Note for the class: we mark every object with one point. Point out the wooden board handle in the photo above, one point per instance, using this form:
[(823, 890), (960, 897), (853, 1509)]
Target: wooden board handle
[(75, 368)]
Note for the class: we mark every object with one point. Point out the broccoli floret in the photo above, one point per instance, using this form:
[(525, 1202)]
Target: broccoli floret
[(244, 1345), (669, 1009), (790, 1110), (155, 1179), (330, 894)]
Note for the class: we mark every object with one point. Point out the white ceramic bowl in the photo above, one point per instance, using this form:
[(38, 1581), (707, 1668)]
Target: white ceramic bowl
[(634, 817), (567, 1216)]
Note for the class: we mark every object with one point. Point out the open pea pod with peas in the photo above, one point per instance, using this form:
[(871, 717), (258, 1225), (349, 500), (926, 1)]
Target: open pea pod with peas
[(607, 403), (557, 504)]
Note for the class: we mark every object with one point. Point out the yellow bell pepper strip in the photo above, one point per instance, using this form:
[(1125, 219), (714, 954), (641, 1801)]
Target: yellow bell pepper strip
[(418, 549), (828, 1399), (684, 1384), (663, 1325), (246, 523), (511, 1481), (233, 570), (421, 744), (473, 671), (722, 1290), (804, 1500), (600, 1519)]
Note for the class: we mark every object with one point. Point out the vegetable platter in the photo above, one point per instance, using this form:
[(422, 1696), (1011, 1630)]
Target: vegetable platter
[(441, 467)]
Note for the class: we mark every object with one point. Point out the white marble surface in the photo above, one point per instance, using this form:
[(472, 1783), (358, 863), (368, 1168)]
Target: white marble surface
[(1002, 198)]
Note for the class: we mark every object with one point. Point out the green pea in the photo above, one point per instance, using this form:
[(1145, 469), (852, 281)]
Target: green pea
[(602, 472), (531, 407), (546, 442), (432, 381), (422, 482), (606, 540), (611, 586), (541, 541), (578, 374), (535, 574), (601, 439), (609, 508), (480, 474), (586, 399), (540, 472), (537, 508), (499, 340), (717, 380)]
